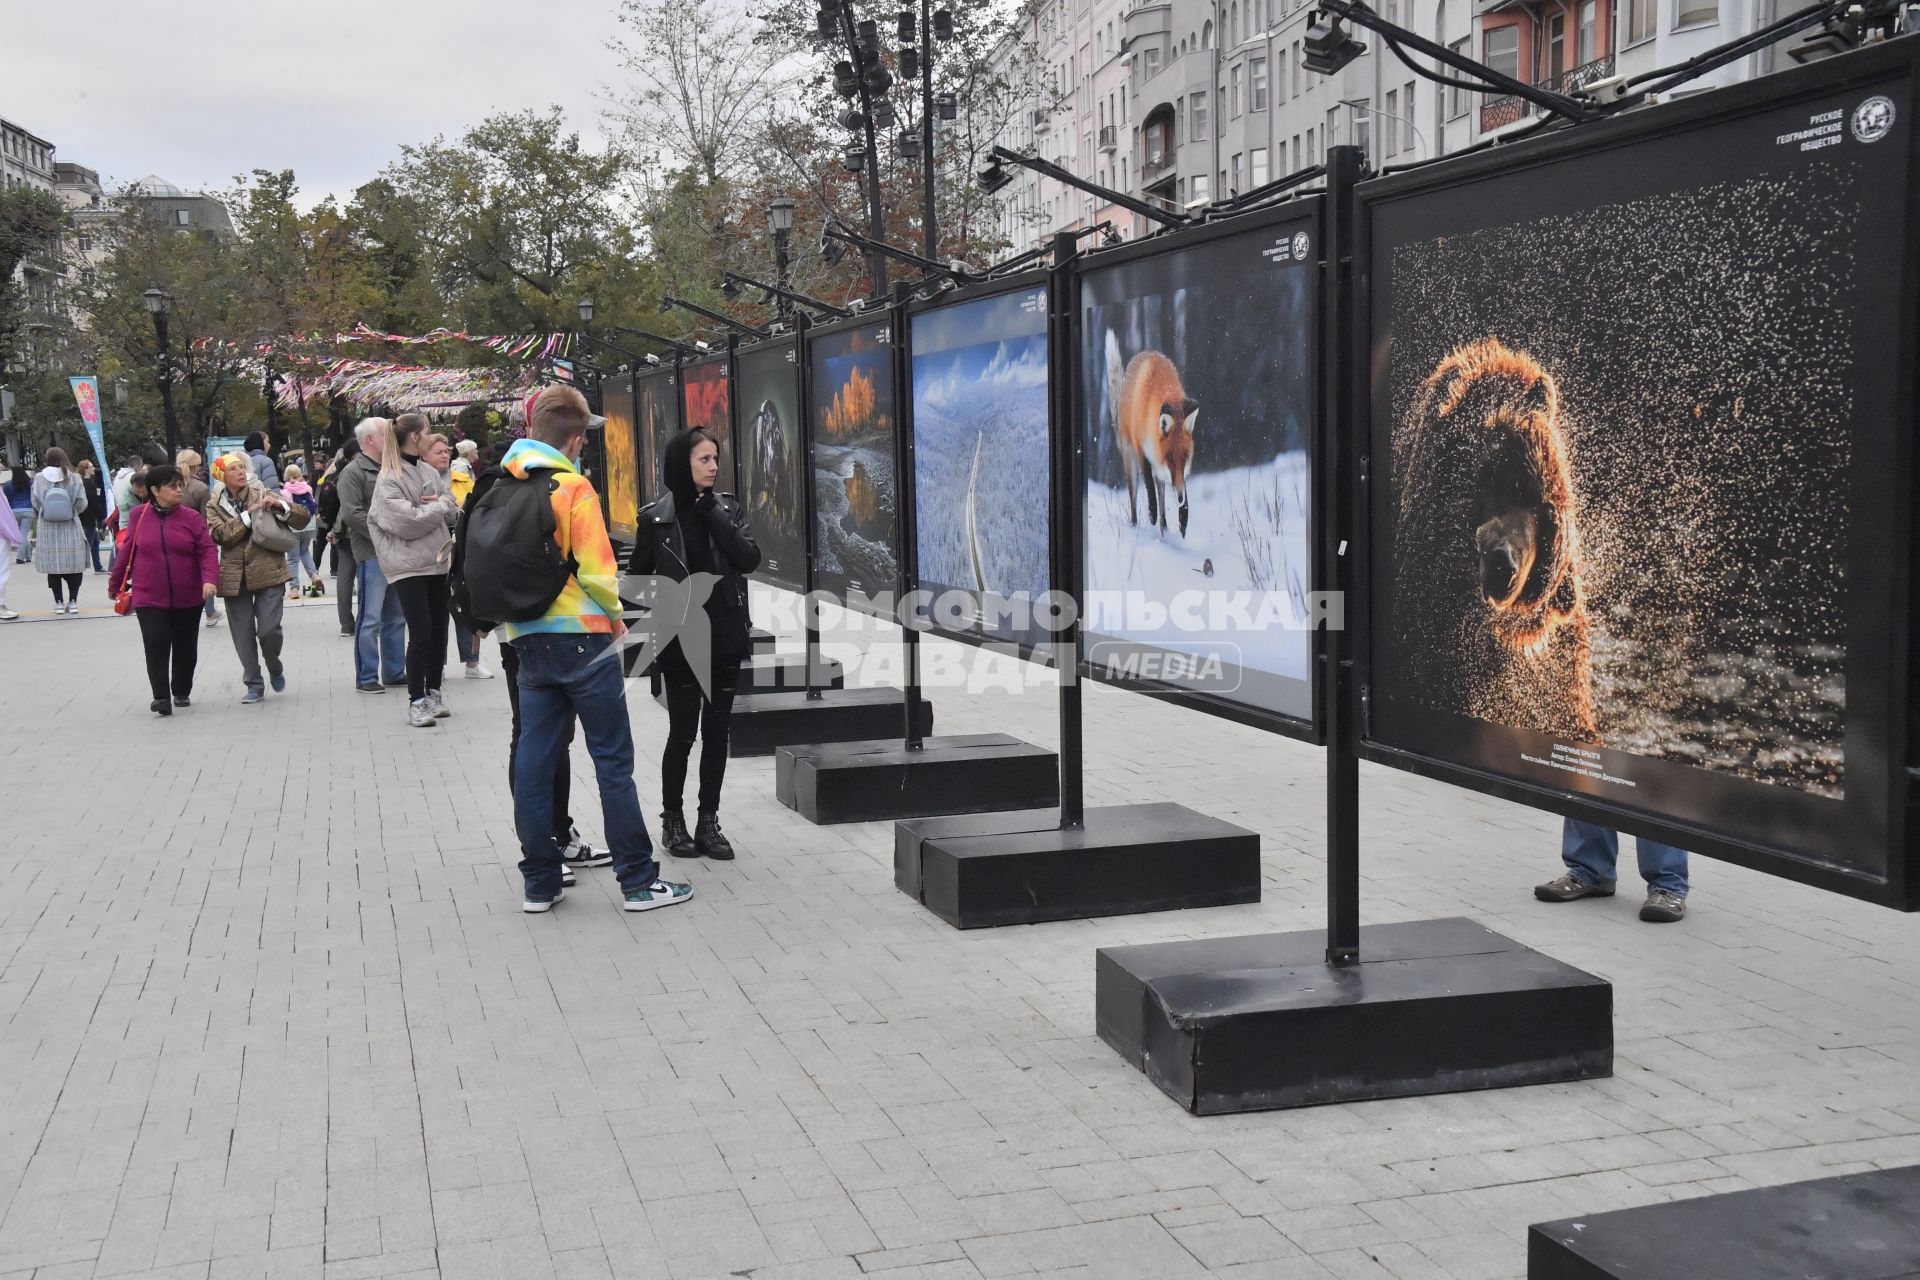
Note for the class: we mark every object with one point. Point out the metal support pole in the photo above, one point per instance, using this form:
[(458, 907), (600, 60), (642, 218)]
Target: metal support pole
[(166, 386), (907, 579), (1343, 449), (929, 216), (808, 610), (1064, 543)]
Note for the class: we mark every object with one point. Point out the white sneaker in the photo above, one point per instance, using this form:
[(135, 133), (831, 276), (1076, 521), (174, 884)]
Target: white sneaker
[(533, 906), (478, 671), (213, 619), (439, 704), (8, 615), (420, 714)]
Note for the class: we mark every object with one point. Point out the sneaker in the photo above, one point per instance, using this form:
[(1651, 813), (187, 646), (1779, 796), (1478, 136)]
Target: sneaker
[(674, 836), (8, 615), (439, 704), (183, 702), (279, 681), (533, 906), (1663, 907), (1570, 887), (394, 682), (661, 893), (371, 688), (707, 839), (478, 671), (159, 707), (253, 696), (420, 714), (346, 631), (579, 853), (567, 878), (213, 619)]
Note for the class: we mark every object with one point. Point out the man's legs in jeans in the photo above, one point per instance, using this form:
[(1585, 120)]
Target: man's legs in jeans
[(562, 773), (1663, 866), (558, 675), (1592, 852), (379, 642)]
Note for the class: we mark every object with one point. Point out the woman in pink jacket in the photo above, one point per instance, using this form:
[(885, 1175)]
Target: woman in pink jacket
[(174, 568)]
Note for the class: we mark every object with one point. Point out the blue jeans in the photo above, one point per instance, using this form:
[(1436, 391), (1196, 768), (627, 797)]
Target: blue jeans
[(380, 633), (1592, 851), (559, 679)]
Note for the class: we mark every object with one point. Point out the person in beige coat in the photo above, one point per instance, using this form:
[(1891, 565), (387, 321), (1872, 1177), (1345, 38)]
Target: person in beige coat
[(253, 577), (410, 517)]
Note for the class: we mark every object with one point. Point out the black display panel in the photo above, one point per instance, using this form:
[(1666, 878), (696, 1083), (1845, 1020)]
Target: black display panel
[(853, 436), (1641, 422), (707, 391), (622, 445), (1198, 403), (772, 460), (657, 417), (979, 423)]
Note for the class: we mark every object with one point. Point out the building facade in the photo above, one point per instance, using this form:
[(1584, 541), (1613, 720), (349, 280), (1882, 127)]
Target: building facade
[(26, 159)]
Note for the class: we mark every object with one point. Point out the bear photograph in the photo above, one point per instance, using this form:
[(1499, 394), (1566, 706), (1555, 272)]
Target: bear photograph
[(1198, 404), (772, 467), (623, 465), (706, 386), (851, 410), (1613, 539), (980, 433), (658, 400)]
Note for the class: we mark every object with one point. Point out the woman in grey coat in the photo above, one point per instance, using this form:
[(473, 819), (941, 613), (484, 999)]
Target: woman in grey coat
[(411, 517), (59, 498)]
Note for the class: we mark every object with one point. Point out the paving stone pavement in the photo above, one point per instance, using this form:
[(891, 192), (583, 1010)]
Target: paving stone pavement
[(271, 1010)]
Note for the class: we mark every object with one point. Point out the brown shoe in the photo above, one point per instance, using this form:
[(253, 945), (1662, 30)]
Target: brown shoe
[(1569, 888), (1663, 907)]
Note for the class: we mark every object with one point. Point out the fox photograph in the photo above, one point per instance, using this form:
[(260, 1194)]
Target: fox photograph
[(623, 459), (706, 388), (772, 466), (1197, 394), (1613, 553), (658, 400), (855, 463), (980, 426)]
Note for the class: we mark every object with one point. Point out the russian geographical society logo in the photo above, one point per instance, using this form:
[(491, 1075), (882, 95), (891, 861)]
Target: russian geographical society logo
[(1873, 119), (1300, 246)]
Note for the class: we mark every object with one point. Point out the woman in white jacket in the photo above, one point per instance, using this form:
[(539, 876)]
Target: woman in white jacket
[(410, 518)]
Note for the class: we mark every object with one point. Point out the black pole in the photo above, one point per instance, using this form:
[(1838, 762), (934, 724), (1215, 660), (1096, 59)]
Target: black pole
[(876, 216), (928, 213), (166, 386), (782, 272), (808, 613), (1063, 546), (908, 578), (1342, 471), (273, 407)]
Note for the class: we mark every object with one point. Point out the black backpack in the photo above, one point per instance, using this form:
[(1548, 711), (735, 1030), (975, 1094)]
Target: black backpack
[(512, 568)]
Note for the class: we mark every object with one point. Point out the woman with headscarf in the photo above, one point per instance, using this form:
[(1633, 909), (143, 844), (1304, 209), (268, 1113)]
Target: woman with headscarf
[(60, 541), (692, 528), (410, 517), (254, 528), (168, 558)]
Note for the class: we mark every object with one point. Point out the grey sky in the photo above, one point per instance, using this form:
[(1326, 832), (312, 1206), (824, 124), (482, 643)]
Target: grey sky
[(200, 90)]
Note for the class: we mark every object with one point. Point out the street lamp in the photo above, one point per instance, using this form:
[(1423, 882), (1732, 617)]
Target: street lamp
[(780, 218), (585, 309), (158, 303)]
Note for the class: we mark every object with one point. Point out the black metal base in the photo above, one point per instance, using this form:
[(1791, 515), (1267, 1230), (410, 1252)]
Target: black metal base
[(1021, 868), (779, 672), (1864, 1226), (867, 781), (1436, 1006), (762, 641), (763, 721)]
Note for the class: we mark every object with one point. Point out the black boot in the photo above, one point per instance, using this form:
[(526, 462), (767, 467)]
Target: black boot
[(159, 707), (707, 837), (673, 835)]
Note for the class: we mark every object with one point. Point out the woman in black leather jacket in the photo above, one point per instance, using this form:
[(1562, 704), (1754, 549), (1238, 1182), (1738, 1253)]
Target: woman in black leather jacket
[(692, 528)]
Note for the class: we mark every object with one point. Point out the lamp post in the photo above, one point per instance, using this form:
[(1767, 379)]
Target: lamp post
[(585, 309), (158, 302), (780, 218)]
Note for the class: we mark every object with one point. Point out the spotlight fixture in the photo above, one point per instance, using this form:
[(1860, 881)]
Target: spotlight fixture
[(853, 120), (1328, 45), (906, 26), (943, 24), (828, 21), (877, 79), (702, 345), (653, 361), (831, 250), (993, 176), (855, 157), (857, 305), (1109, 238), (870, 38), (883, 114), (909, 62), (846, 81), (948, 106), (907, 145)]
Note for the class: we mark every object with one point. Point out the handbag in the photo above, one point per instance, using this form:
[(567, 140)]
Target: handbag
[(272, 533), (123, 599)]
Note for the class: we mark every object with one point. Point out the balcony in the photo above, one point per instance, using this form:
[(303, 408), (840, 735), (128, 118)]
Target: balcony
[(1109, 138), (1159, 167), (1498, 113), (1042, 120)]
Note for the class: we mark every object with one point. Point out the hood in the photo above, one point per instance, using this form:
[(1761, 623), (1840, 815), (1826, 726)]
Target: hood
[(52, 475), (531, 455), (676, 469)]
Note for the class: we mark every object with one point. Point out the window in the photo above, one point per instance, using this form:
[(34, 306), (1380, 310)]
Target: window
[(182, 217), (1236, 173), (1695, 13), (1234, 98), (1391, 111), (1206, 34), (1556, 48), (1299, 156), (1641, 17), (1333, 125), (1406, 124), (1456, 96), (1299, 69), (1150, 64), (1503, 51), (1283, 158), (1589, 33), (1197, 190), (1313, 148), (1257, 160), (1257, 84), (1233, 24), (1198, 117)]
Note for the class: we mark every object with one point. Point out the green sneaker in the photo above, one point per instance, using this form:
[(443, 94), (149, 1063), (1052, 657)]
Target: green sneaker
[(661, 893)]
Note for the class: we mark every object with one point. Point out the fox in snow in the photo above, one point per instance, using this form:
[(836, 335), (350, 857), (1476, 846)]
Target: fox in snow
[(1153, 421)]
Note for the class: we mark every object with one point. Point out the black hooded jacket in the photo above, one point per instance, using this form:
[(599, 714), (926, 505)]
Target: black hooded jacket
[(682, 532)]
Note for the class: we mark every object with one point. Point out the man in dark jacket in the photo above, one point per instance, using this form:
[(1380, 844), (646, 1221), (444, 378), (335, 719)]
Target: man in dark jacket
[(380, 632), (337, 541), (262, 461)]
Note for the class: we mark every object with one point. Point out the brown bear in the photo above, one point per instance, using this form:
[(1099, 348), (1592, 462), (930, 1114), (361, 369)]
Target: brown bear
[(1489, 608)]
